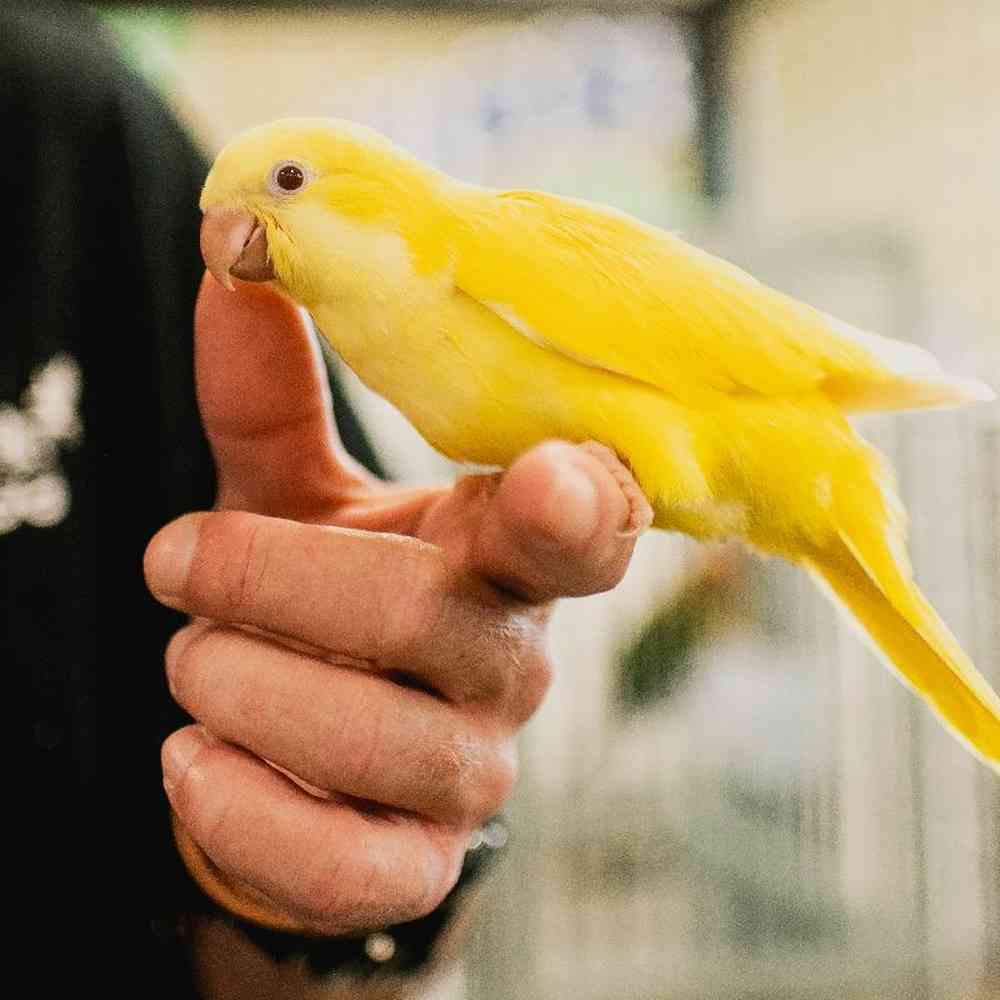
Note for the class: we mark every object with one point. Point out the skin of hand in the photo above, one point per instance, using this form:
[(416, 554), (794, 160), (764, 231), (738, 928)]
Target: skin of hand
[(361, 656)]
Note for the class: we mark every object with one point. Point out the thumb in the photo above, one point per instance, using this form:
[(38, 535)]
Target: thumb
[(265, 405)]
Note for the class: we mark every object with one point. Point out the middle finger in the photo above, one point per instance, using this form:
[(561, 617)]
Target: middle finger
[(340, 728)]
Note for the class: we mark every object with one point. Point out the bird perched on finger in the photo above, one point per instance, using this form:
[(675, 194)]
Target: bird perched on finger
[(496, 319)]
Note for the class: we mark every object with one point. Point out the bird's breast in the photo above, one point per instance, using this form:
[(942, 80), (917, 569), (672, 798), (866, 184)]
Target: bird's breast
[(366, 295)]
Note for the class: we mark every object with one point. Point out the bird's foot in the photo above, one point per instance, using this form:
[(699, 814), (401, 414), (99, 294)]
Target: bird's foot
[(640, 515)]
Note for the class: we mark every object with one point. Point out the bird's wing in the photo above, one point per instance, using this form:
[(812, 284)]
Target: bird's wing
[(614, 293)]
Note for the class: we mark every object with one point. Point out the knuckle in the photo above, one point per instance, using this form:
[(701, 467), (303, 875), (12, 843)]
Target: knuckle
[(412, 612), (499, 657), (474, 778), (355, 744), (533, 682), (485, 662), (498, 781), (249, 574), (508, 671), (232, 564), (448, 762)]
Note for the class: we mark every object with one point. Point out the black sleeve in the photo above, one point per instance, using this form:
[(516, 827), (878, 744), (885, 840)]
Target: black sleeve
[(100, 270)]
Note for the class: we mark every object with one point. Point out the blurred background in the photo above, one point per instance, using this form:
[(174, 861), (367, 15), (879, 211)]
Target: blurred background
[(725, 795)]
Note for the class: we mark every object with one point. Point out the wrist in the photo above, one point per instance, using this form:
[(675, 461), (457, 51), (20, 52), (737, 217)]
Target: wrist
[(405, 949)]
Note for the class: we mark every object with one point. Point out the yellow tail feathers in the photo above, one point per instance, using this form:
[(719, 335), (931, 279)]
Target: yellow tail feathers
[(918, 647)]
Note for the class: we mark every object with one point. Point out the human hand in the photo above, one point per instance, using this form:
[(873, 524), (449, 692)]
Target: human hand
[(362, 656)]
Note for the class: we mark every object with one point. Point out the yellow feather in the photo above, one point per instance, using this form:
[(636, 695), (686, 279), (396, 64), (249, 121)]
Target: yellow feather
[(494, 320)]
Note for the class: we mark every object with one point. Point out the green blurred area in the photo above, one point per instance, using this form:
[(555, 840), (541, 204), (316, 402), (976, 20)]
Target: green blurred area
[(149, 38)]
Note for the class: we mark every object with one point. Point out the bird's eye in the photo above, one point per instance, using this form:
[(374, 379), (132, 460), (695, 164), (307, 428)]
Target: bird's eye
[(287, 178)]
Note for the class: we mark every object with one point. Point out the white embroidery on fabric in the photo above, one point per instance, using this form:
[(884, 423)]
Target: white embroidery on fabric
[(33, 488)]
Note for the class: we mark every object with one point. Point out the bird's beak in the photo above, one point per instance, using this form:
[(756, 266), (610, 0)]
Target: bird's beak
[(233, 242)]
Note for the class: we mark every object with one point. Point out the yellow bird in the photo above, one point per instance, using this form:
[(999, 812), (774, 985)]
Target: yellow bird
[(496, 319)]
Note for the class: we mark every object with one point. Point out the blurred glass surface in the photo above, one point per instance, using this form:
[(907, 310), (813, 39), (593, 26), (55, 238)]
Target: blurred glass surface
[(781, 819)]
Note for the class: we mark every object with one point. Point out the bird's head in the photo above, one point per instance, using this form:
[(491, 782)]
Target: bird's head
[(274, 191)]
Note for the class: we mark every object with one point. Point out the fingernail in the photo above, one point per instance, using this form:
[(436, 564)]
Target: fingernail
[(168, 559), (571, 509), (638, 518), (178, 752), (175, 648)]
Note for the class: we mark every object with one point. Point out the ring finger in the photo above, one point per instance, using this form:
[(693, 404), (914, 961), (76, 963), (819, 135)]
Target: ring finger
[(341, 728)]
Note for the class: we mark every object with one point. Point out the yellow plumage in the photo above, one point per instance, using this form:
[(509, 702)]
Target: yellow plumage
[(496, 319)]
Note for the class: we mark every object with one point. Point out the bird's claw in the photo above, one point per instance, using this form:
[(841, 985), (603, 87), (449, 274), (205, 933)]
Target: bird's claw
[(640, 515)]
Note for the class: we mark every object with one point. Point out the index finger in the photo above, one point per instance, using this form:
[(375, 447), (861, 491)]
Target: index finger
[(265, 404), (381, 599)]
